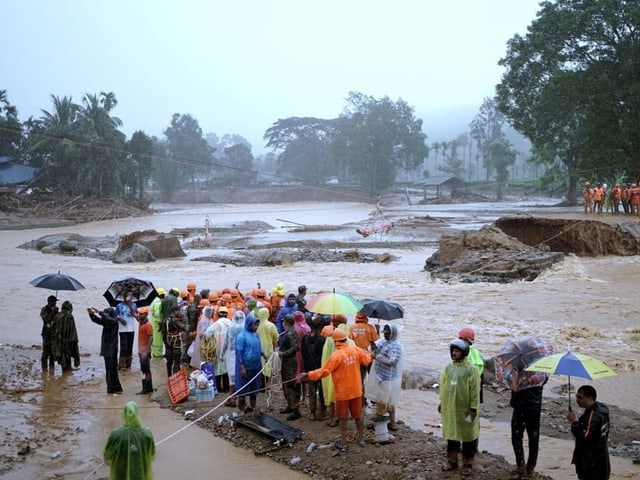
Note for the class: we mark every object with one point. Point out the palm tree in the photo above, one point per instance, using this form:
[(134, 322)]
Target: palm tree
[(55, 142), (104, 168)]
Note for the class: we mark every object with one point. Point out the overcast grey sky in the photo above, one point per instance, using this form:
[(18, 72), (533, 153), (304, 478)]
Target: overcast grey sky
[(239, 66)]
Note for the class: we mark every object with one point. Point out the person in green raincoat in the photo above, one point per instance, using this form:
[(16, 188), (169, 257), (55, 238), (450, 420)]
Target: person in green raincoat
[(459, 405), (130, 449)]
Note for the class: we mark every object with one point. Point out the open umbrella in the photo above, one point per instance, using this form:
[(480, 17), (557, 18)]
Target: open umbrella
[(572, 364), (143, 291), (332, 303), (57, 281), (515, 356), (381, 309)]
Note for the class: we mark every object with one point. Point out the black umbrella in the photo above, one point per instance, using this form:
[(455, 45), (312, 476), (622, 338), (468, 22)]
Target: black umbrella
[(57, 281), (142, 291), (381, 309)]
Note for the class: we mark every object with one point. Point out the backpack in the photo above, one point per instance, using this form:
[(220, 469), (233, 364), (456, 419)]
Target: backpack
[(208, 347)]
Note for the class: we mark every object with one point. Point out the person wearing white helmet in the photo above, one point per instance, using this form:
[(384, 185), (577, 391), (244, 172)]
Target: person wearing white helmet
[(459, 405)]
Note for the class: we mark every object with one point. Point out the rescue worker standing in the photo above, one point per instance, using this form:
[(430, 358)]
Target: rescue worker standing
[(459, 405)]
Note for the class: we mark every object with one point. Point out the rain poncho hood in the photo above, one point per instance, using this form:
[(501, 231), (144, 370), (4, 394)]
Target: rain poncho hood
[(237, 325), (278, 290), (130, 449)]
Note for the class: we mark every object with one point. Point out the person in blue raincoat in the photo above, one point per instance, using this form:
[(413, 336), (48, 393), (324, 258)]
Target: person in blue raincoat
[(290, 306), (130, 449), (459, 404), (248, 365)]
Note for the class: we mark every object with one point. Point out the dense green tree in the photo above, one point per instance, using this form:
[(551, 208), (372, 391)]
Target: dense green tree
[(188, 149), (305, 144), (572, 83), (241, 158), (139, 151), (487, 128), (453, 161), (103, 168), (10, 129), (499, 157), (55, 146), (375, 138)]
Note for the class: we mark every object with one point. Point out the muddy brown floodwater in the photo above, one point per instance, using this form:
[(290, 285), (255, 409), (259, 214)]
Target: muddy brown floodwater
[(590, 304)]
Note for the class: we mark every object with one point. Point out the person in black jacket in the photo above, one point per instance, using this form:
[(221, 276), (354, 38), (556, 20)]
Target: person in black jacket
[(527, 406), (312, 344), (108, 344), (591, 431)]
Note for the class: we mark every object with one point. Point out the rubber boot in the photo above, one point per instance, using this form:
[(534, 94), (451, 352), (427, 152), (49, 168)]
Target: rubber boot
[(43, 361), (467, 466), (393, 426), (313, 407), (522, 471), (331, 412), (322, 412), (452, 461), (145, 388)]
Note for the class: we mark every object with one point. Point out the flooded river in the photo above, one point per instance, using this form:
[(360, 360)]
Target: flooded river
[(590, 304)]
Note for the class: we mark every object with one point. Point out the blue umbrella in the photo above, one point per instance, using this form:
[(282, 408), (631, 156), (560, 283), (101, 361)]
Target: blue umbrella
[(571, 364)]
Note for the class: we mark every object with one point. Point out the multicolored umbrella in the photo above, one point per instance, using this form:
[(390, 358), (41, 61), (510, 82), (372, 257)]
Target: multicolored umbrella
[(333, 303), (572, 364), (515, 356)]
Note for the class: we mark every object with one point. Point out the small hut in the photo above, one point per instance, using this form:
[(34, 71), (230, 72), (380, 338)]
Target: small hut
[(451, 184)]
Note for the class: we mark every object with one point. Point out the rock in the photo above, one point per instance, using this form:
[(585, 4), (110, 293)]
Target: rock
[(50, 249), (581, 237), (159, 244), (67, 246), (419, 378), (57, 239), (488, 255), (135, 254)]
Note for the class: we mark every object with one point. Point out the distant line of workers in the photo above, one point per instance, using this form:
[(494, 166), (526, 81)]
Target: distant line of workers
[(596, 198)]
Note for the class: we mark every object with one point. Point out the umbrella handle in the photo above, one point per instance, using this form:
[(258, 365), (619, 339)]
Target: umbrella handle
[(569, 391)]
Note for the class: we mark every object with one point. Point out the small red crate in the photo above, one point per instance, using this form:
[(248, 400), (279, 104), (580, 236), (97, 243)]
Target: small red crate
[(178, 387)]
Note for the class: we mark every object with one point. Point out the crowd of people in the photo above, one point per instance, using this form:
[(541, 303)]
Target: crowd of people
[(249, 339), (620, 199)]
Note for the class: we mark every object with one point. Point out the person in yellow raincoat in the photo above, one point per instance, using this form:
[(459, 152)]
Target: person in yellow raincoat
[(130, 449), (269, 337), (459, 405), (157, 346)]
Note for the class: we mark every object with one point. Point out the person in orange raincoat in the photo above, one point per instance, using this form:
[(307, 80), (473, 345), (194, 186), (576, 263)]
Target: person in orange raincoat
[(277, 301), (191, 291), (336, 320), (344, 367), (364, 334), (587, 197)]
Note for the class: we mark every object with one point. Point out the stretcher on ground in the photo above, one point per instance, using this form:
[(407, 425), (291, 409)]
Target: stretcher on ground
[(270, 426)]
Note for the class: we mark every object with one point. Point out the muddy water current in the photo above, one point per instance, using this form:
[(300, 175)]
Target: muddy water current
[(589, 304)]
